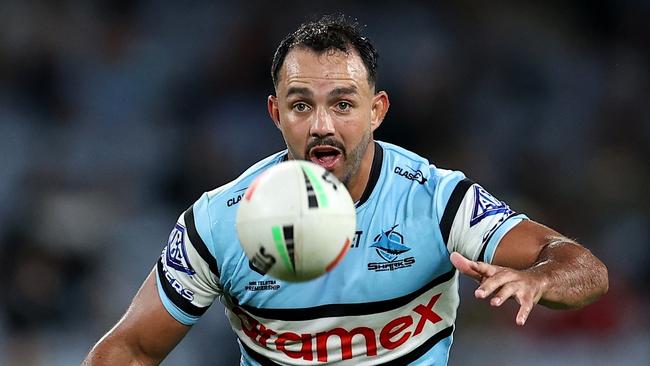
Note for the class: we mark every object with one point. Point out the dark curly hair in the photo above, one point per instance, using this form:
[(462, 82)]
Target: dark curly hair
[(325, 34)]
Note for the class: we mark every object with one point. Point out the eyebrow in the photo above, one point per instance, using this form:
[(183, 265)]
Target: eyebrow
[(337, 92), (300, 91), (343, 91)]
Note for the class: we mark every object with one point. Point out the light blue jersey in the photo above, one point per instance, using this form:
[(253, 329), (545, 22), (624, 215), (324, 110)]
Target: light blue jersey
[(392, 300)]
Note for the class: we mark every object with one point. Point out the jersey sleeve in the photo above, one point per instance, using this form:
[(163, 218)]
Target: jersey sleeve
[(187, 273), (473, 221)]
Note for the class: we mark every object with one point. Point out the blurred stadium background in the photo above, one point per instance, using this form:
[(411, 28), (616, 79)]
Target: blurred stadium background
[(116, 115)]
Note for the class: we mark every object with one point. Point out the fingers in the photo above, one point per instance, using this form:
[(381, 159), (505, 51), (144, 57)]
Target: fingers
[(511, 290), (504, 294), (527, 303), (476, 270), (507, 283), (493, 283), (486, 270), (464, 265)]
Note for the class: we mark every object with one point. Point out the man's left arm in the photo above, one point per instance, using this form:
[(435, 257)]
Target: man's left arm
[(535, 264)]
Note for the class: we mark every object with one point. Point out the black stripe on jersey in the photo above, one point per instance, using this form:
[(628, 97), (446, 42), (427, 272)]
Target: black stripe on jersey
[(198, 243), (422, 349), (404, 360), (481, 256), (375, 171), (312, 202), (178, 300), (453, 204), (334, 310), (262, 360)]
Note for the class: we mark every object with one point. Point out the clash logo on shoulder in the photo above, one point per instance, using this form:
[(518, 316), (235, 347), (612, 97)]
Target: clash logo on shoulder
[(176, 256), (486, 205), (411, 174), (235, 199), (389, 245)]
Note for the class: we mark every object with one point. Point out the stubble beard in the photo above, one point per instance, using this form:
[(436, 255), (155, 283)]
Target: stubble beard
[(354, 158)]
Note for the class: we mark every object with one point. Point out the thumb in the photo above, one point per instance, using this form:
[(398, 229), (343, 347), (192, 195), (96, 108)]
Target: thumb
[(465, 266)]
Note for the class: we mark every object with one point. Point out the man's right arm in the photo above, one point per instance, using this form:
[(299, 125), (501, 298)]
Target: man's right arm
[(145, 334)]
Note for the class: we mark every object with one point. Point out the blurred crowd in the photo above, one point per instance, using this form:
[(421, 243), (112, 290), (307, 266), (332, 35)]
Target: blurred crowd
[(116, 115)]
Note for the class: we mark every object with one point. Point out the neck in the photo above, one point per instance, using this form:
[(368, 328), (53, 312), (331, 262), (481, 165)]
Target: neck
[(359, 181)]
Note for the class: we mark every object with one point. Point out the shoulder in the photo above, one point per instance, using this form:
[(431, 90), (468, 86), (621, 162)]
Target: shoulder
[(407, 166), (219, 204), (230, 194)]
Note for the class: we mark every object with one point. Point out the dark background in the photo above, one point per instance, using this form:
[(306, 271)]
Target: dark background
[(116, 115)]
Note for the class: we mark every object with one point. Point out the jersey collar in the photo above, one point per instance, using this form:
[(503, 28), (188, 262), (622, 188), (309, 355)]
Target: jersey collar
[(375, 171)]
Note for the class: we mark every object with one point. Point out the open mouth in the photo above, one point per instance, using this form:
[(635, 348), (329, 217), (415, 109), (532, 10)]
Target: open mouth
[(325, 156)]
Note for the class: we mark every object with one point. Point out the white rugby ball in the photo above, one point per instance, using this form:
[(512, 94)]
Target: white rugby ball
[(296, 221)]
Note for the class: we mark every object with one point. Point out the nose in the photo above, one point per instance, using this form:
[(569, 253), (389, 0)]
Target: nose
[(322, 124)]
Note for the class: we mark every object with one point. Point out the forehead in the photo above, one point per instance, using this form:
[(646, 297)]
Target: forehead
[(332, 66)]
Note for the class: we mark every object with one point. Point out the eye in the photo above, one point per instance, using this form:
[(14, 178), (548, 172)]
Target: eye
[(343, 106), (300, 107)]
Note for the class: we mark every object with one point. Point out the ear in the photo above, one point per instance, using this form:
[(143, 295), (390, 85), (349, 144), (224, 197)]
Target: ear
[(380, 104), (274, 111)]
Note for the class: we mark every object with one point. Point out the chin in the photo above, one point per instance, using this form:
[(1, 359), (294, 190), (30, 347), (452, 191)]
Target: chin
[(343, 176)]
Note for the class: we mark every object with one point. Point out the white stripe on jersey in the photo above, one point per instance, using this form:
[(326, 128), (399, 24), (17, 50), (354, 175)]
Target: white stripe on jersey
[(187, 273), (478, 217), (351, 340)]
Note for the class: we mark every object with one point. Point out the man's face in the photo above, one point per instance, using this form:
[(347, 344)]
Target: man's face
[(326, 109)]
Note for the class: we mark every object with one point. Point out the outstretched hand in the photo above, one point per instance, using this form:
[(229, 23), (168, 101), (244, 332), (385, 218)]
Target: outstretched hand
[(503, 283)]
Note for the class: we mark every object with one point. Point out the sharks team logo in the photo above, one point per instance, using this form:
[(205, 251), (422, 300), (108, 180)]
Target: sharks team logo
[(389, 245), (486, 205), (176, 255)]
